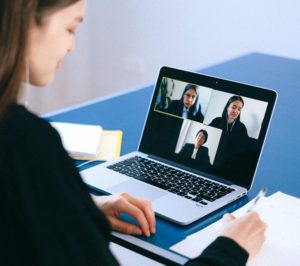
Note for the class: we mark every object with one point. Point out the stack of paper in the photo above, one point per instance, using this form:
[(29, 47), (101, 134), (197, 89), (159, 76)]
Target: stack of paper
[(281, 212), (89, 142)]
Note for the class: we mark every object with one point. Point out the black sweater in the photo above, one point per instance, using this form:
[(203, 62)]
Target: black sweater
[(47, 215)]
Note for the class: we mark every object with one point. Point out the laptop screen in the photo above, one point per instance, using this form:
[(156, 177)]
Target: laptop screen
[(211, 126)]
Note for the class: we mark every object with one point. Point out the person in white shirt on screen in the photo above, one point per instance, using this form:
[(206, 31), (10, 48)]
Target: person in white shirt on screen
[(196, 153)]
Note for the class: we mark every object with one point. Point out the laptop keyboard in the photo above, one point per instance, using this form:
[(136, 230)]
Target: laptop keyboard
[(175, 181)]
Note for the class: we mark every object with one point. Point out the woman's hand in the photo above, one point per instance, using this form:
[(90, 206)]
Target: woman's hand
[(248, 231), (138, 208)]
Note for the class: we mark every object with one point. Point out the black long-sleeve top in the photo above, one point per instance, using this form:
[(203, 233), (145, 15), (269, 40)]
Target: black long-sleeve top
[(47, 214)]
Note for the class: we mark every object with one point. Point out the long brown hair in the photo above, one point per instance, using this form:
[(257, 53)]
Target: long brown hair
[(15, 19)]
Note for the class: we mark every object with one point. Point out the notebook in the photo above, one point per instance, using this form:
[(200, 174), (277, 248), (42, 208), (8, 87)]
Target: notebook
[(89, 142), (199, 149), (81, 141)]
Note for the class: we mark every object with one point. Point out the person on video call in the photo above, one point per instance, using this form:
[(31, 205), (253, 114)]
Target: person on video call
[(163, 98), (48, 215), (230, 122), (234, 138), (197, 153), (186, 107)]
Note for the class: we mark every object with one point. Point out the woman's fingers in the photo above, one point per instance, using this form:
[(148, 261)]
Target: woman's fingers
[(139, 209), (125, 227), (248, 231), (146, 207), (125, 206), (227, 218)]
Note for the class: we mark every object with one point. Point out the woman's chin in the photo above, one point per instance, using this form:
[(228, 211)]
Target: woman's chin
[(42, 82)]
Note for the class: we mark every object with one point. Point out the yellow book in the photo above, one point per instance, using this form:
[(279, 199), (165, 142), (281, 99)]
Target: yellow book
[(110, 145)]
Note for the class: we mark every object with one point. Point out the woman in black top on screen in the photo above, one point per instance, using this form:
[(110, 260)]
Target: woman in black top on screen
[(233, 145), (230, 122), (47, 215), (187, 107)]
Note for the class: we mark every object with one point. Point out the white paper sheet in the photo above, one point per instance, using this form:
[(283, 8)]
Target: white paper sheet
[(280, 211), (79, 140)]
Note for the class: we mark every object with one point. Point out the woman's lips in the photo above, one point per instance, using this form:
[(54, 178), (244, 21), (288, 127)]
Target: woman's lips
[(58, 65)]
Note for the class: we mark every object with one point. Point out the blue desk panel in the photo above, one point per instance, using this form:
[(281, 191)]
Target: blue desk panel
[(278, 168)]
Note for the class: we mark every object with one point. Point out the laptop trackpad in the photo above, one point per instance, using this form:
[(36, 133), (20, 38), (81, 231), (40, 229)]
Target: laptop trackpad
[(138, 189)]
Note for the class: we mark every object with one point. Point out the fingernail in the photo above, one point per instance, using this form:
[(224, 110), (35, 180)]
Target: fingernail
[(153, 230), (138, 232)]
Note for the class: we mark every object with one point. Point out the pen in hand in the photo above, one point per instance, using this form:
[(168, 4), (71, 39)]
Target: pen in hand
[(259, 196)]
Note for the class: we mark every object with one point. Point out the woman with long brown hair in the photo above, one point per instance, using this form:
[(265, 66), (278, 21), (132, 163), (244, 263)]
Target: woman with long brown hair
[(47, 214)]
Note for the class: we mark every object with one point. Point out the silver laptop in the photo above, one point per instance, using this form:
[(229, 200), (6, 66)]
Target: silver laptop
[(199, 148)]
